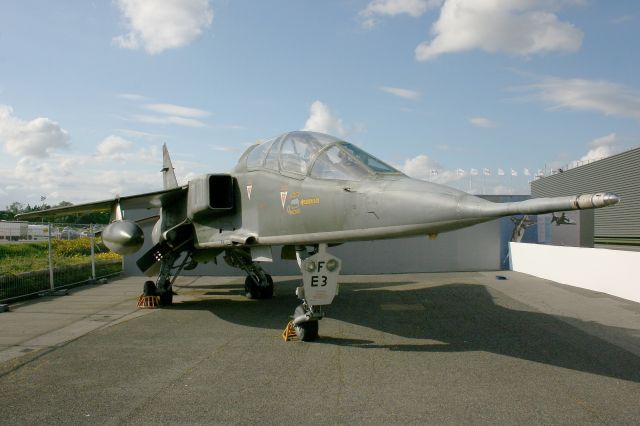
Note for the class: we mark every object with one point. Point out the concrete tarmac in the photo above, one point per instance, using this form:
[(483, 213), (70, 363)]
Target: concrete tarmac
[(445, 348)]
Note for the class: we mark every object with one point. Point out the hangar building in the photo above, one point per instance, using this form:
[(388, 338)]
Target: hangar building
[(617, 225)]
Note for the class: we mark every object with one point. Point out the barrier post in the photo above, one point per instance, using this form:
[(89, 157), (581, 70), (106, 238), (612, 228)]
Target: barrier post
[(93, 253), (50, 261)]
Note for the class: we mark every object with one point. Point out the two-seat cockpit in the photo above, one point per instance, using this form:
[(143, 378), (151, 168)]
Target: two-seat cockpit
[(299, 154)]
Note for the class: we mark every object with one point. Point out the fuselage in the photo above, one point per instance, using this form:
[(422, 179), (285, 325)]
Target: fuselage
[(309, 188)]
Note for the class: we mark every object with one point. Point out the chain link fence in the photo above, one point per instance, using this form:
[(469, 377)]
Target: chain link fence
[(38, 258)]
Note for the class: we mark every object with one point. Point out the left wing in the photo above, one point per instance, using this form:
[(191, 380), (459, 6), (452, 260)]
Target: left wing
[(140, 201)]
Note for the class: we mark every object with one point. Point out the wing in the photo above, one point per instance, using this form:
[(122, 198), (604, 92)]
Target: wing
[(140, 201)]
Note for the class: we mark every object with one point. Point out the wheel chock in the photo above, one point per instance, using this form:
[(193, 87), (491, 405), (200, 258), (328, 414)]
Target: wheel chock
[(289, 332), (148, 302)]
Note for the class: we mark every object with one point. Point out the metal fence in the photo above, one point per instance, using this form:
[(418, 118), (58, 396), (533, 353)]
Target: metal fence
[(37, 258)]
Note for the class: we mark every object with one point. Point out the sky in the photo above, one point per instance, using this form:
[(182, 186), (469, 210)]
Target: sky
[(468, 93)]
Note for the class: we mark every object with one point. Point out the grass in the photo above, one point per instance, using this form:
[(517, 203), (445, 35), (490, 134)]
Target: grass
[(24, 267)]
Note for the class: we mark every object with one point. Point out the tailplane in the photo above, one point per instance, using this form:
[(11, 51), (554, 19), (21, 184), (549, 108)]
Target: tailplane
[(168, 175)]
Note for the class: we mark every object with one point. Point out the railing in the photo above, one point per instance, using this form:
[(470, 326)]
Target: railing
[(42, 258)]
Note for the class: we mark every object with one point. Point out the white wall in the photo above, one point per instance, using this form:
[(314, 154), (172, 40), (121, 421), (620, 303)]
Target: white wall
[(614, 272)]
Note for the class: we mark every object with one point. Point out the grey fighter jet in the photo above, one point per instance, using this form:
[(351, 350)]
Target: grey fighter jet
[(304, 191)]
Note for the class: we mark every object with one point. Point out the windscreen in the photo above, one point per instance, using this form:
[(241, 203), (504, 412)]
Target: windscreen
[(368, 160), (336, 163)]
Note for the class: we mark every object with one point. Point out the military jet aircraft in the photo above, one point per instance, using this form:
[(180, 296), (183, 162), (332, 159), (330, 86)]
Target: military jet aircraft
[(562, 219), (304, 191)]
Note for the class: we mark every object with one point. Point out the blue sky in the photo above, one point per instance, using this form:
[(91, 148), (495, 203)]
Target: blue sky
[(89, 91)]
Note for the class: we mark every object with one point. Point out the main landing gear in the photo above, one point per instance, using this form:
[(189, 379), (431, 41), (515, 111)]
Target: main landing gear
[(162, 289), (258, 284)]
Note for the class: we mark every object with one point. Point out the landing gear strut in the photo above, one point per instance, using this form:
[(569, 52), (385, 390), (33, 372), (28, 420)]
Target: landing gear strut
[(163, 287), (258, 284), (320, 285)]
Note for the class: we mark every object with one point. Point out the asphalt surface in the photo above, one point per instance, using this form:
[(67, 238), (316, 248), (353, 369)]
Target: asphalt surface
[(459, 348)]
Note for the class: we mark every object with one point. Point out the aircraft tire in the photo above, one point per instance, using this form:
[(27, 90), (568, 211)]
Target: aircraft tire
[(306, 331), (251, 289), (149, 288), (166, 298), (267, 292)]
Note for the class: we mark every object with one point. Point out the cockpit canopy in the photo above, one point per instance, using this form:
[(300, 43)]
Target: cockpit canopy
[(317, 155)]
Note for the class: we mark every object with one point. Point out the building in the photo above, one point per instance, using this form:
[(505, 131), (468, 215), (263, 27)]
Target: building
[(617, 225), (13, 231)]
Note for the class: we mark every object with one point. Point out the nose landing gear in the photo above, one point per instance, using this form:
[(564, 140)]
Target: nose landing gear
[(320, 285)]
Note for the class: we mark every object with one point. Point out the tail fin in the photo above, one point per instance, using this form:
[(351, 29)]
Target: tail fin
[(168, 175)]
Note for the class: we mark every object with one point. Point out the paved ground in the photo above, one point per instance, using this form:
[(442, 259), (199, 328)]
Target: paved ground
[(421, 348)]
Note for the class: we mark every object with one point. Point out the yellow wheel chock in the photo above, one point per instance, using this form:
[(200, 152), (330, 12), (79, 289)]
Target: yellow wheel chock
[(148, 302), (289, 332)]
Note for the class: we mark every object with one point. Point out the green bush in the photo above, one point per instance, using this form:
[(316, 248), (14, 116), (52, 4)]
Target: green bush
[(15, 285)]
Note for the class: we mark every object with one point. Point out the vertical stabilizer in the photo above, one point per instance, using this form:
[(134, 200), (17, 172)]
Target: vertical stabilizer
[(168, 175)]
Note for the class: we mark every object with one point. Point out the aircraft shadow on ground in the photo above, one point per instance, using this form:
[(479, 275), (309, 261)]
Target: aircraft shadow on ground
[(459, 317)]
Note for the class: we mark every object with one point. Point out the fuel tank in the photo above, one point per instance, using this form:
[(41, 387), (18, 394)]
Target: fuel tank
[(123, 237)]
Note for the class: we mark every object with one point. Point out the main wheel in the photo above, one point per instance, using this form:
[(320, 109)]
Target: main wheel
[(267, 292), (149, 288), (255, 291), (166, 298), (306, 331), (251, 289)]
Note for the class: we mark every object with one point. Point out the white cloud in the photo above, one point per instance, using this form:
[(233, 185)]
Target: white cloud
[(36, 138), (132, 97), (586, 95), (321, 119), (116, 168), (519, 27), (422, 167), (600, 148), (114, 148), (158, 119), (173, 115), (177, 110), (419, 167), (481, 122), (375, 8), (157, 25), (403, 93)]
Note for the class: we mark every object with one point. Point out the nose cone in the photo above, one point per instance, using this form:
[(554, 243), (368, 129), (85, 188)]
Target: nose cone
[(603, 199), (609, 198)]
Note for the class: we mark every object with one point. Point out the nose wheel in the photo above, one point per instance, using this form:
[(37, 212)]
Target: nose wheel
[(306, 331)]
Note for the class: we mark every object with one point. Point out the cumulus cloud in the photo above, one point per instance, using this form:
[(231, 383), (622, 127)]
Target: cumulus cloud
[(369, 16), (402, 93), (157, 25), (600, 148), (419, 167), (322, 119), (116, 168), (585, 95), (36, 138), (424, 167), (481, 122), (519, 27), (113, 147)]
